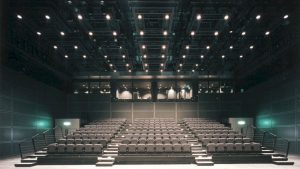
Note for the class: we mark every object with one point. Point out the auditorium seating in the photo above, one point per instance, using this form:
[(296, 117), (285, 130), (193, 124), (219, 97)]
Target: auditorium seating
[(218, 138), (154, 136), (91, 138)]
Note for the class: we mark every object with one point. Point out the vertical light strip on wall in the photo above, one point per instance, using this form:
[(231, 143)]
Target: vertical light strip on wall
[(132, 112), (176, 112), (154, 109)]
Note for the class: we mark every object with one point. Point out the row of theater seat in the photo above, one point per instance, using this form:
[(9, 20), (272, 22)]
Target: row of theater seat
[(155, 141), (83, 141), (214, 132), (200, 136), (154, 148), (90, 136), (75, 148), (158, 135), (206, 141), (155, 132), (231, 147)]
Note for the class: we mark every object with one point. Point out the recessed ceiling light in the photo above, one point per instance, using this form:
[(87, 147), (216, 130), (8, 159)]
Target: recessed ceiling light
[(123, 56), (19, 16), (84, 56), (197, 65), (285, 16), (143, 46), (127, 64), (162, 56), (115, 70), (39, 33), (180, 64), (267, 33), (251, 47), (145, 56), (110, 65), (230, 31), (226, 17), (105, 56), (243, 33), (207, 47), (163, 46), (161, 70), (146, 64), (187, 47), (231, 47), (165, 33), (141, 33), (55, 47), (66, 56), (183, 56), (192, 33), (167, 17), (198, 17), (47, 17), (114, 33), (241, 56), (140, 16), (146, 70), (161, 64), (202, 56), (193, 70), (62, 33), (69, 2), (91, 33), (129, 70), (107, 16), (223, 56), (216, 33), (120, 47), (258, 17), (75, 47), (79, 16), (178, 70)]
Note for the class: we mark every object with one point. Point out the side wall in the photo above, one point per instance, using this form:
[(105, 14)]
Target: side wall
[(26, 107)]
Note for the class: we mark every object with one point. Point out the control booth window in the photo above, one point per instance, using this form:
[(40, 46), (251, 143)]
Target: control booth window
[(124, 91), (184, 90), (203, 87), (166, 91), (81, 87), (141, 91)]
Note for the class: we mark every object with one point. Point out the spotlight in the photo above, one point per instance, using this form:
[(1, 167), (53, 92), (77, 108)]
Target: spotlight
[(145, 56), (66, 56), (107, 17), (141, 33), (105, 56), (202, 56), (114, 33), (241, 56), (162, 56), (285, 16), (216, 33), (187, 47), (140, 17), (267, 33), (47, 17), (231, 47), (123, 56), (258, 17), (55, 47), (192, 33), (183, 56), (75, 47), (19, 17), (226, 17), (165, 33), (79, 16), (251, 47), (91, 33), (84, 56), (243, 33), (62, 33), (39, 33), (198, 17), (167, 17), (223, 56), (143, 46), (207, 47), (163, 46)]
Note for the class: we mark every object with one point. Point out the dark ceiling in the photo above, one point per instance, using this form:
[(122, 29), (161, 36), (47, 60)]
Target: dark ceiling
[(224, 38)]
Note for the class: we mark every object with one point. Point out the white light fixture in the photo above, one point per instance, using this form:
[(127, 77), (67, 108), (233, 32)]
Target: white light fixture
[(197, 65), (107, 16), (141, 33), (127, 64), (79, 16), (161, 64), (226, 17), (55, 47), (123, 56), (115, 70), (251, 47), (66, 56), (207, 47), (231, 47), (145, 56), (146, 70), (165, 33), (19, 16), (230, 31), (162, 56), (47, 17), (146, 64), (202, 56), (183, 56), (84, 56), (39, 33), (180, 64), (192, 33), (258, 17), (167, 17), (198, 17), (187, 47), (267, 33), (216, 33), (140, 16), (285, 16), (129, 70), (223, 56), (91, 33), (105, 56), (243, 33), (111, 65), (143, 46), (241, 56), (193, 70), (114, 33), (75, 47), (163, 46), (178, 70), (62, 33), (161, 70), (241, 122), (67, 123)]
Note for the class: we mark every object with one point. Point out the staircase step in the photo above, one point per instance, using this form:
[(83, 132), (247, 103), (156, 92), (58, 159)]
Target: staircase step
[(26, 164), (198, 154), (267, 151), (112, 145), (279, 158), (110, 151), (204, 163), (29, 159), (196, 145), (109, 155), (107, 159), (283, 162), (41, 152), (104, 163), (273, 154), (112, 148), (37, 155), (203, 158), (199, 151)]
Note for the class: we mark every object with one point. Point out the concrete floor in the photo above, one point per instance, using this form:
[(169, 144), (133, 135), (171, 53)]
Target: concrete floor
[(8, 163)]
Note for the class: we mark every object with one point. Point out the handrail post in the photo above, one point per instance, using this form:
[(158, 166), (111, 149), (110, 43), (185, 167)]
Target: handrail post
[(287, 150), (45, 141), (263, 139), (34, 148), (21, 154), (274, 142)]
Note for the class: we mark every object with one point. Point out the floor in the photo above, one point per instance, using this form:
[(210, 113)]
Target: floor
[(9, 163)]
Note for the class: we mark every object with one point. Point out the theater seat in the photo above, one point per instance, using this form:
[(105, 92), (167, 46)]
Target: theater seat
[(79, 148), (61, 148), (122, 148), (159, 148), (131, 148), (52, 148), (220, 147), (238, 147), (246, 140), (247, 147), (211, 147), (141, 148), (62, 141), (150, 148), (70, 148), (88, 148), (256, 147), (186, 148), (177, 148), (168, 147), (229, 147), (238, 140), (97, 148)]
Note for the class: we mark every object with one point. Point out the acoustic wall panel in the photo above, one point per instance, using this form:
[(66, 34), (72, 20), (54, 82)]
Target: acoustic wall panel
[(143, 110), (5, 134), (165, 110), (123, 114), (187, 110)]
